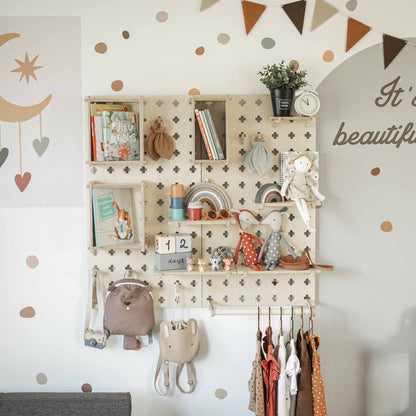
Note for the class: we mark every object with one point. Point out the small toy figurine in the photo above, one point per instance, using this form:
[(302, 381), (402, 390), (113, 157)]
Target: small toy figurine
[(272, 243), (122, 225), (246, 218), (300, 186), (227, 264), (215, 261), (190, 264), (201, 265)]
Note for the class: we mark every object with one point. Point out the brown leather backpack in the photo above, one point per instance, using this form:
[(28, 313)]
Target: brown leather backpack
[(129, 311)]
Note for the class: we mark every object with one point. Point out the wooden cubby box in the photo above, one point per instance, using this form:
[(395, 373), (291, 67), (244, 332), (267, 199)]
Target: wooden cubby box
[(137, 216), (136, 104), (217, 104)]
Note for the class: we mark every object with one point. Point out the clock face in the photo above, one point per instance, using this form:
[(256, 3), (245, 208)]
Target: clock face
[(307, 104)]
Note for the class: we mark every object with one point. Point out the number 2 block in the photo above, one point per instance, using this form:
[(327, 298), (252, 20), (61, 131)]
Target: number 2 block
[(165, 244), (183, 243)]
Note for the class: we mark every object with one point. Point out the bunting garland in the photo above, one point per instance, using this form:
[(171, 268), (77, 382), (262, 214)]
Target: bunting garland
[(323, 11), (296, 13), (355, 32), (205, 4)]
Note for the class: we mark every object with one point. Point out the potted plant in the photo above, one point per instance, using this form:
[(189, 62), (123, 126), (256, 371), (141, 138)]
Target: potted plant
[(282, 80)]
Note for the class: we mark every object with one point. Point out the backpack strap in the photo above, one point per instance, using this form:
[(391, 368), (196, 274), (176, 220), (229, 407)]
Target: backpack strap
[(165, 364), (191, 377), (96, 297)]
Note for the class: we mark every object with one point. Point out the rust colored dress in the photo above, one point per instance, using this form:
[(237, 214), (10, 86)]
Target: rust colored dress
[(256, 383), (304, 400), (318, 392), (271, 375)]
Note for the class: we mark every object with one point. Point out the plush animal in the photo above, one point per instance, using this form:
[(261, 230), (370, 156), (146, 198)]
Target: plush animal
[(122, 224), (299, 186), (190, 264), (201, 265), (271, 247), (246, 218), (215, 262), (227, 264)]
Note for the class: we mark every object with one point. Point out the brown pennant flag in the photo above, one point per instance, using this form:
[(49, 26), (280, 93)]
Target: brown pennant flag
[(391, 48), (205, 4), (296, 13), (321, 13), (355, 32), (252, 12)]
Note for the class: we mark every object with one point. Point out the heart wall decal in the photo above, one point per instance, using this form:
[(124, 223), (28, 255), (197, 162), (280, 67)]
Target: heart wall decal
[(40, 146), (22, 181), (4, 152)]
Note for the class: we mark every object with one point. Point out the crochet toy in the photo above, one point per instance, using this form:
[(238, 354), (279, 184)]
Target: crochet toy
[(201, 265), (227, 264), (300, 186), (272, 244), (246, 218), (215, 262)]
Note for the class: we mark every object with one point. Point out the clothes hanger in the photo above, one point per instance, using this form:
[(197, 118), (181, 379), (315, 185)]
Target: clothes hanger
[(301, 320), (270, 327), (310, 320), (291, 324), (281, 321)]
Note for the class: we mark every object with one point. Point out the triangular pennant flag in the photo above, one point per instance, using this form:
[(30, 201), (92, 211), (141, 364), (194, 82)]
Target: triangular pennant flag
[(321, 13), (391, 48), (205, 4), (356, 31), (252, 12), (296, 13)]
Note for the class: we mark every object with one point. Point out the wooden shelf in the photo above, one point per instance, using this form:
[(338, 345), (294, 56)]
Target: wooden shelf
[(187, 223), (211, 161), (115, 163), (260, 206), (235, 271), (276, 120)]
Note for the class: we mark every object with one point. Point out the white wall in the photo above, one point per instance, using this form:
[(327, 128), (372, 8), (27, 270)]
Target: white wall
[(358, 351)]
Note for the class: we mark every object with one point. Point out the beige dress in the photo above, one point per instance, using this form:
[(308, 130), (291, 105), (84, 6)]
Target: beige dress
[(256, 384), (299, 186)]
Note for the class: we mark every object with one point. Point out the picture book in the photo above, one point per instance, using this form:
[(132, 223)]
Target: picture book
[(112, 215), (203, 134), (120, 135), (97, 139), (214, 134), (97, 109)]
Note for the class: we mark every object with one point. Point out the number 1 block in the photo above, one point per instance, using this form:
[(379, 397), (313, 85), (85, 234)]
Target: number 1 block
[(165, 244), (183, 243)]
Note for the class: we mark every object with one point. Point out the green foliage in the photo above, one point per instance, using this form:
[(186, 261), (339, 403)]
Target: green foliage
[(282, 76)]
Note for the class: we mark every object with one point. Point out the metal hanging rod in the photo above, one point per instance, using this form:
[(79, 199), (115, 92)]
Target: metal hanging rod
[(308, 309)]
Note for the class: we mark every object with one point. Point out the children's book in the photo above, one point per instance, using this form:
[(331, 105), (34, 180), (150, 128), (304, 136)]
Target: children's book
[(97, 109), (204, 134), (287, 168), (97, 139), (120, 135), (112, 213), (209, 134), (214, 135)]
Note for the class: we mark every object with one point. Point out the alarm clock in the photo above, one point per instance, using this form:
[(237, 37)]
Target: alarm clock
[(307, 103)]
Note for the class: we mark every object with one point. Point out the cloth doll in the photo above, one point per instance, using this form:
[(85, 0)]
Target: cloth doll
[(299, 186), (246, 218), (271, 247), (259, 159)]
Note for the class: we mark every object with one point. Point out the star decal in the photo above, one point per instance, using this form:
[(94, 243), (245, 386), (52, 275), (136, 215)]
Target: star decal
[(27, 68)]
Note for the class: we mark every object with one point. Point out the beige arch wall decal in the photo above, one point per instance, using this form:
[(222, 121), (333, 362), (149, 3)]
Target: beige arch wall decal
[(13, 113), (8, 36)]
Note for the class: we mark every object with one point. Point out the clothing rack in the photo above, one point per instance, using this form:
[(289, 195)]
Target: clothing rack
[(308, 309)]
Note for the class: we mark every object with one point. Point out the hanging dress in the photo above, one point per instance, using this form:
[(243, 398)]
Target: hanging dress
[(256, 383), (318, 392), (292, 370), (304, 401), (271, 375), (283, 396), (249, 251)]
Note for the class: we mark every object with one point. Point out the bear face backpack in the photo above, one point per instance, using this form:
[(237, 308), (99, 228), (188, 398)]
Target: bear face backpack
[(129, 311), (178, 344)]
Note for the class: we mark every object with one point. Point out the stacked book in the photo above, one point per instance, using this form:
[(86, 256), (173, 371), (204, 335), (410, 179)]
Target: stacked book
[(209, 134), (114, 133)]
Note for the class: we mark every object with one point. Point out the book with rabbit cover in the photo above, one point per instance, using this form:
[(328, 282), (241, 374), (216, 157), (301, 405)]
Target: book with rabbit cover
[(112, 214), (120, 135)]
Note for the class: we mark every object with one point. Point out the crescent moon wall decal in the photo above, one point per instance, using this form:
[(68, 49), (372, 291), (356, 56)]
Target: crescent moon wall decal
[(15, 113), (8, 36)]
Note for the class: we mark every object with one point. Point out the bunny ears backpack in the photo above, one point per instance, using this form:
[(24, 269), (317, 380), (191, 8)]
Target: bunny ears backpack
[(178, 343)]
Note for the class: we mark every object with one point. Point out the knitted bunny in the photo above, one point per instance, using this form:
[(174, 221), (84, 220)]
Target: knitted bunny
[(245, 219), (272, 244)]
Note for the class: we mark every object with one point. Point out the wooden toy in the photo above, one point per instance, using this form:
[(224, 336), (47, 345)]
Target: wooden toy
[(183, 243), (190, 264), (215, 262), (201, 265), (227, 264), (165, 244)]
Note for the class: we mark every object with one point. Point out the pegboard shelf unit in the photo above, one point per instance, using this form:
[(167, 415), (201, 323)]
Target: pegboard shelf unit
[(218, 106), (242, 270), (136, 104), (196, 272), (277, 205), (190, 223), (137, 217), (307, 119)]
